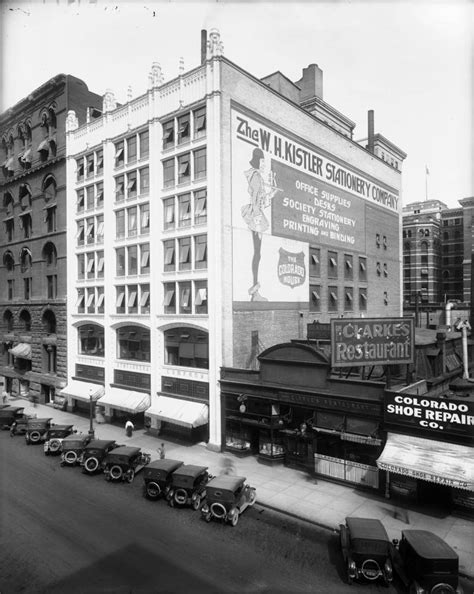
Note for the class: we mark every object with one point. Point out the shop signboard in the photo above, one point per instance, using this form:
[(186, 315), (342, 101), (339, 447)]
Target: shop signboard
[(372, 341), (436, 415)]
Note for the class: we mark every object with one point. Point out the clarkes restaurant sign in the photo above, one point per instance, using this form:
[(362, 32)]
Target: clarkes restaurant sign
[(372, 341), (433, 414)]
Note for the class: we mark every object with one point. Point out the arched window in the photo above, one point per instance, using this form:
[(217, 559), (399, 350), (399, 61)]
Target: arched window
[(445, 273), (49, 188), (188, 347), (50, 254), (49, 322), (25, 259), (8, 203), (52, 118), (24, 195), (21, 137), (44, 123), (133, 342), (25, 318), (91, 340), (8, 320), (9, 261)]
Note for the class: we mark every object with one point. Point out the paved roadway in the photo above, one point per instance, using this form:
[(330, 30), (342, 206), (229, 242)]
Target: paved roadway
[(63, 532)]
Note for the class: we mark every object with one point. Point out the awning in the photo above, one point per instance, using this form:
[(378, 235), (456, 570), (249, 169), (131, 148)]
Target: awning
[(127, 400), (434, 461), (82, 390), (21, 350), (180, 412)]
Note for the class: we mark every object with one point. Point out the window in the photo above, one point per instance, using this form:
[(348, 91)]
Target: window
[(144, 299), (377, 240), (314, 261), (168, 134), (120, 300), (200, 251), (100, 300), (119, 188), (90, 300), (132, 301), (52, 281), (80, 169), (169, 255), (348, 299), (184, 168), (50, 219), (9, 229), (183, 128), (169, 300), (168, 213), (332, 298), (168, 173), (185, 300), (378, 268), (49, 322), (144, 139), (80, 201), (90, 230), (200, 207), (385, 269), (199, 118), (25, 224), (144, 219), (200, 163), (8, 320), (91, 340), (119, 154), (200, 297), (10, 289), (314, 298), (384, 241), (99, 188), (25, 260), (90, 202), (100, 264), (363, 299), (90, 265), (99, 158), (132, 221), (133, 343), (81, 266), (362, 269), (332, 264), (90, 165), (184, 209), (187, 347), (120, 261), (132, 149), (184, 244), (132, 184), (348, 267), (28, 287), (24, 196), (9, 261), (25, 318), (144, 181), (145, 258), (50, 255), (80, 302), (120, 224), (132, 252)]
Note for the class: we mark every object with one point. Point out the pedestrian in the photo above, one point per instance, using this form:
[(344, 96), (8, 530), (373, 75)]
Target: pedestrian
[(13, 429), (129, 427), (161, 451)]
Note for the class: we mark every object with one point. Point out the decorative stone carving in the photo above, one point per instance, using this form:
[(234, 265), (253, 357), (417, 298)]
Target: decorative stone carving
[(156, 74), (109, 102), (215, 47), (72, 123)]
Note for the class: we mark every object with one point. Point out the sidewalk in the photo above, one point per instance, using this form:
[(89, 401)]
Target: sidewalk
[(292, 491)]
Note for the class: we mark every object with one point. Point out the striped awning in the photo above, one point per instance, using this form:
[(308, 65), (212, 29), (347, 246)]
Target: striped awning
[(82, 390), (180, 412), (22, 350), (127, 400)]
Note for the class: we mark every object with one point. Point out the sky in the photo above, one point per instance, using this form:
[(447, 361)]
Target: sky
[(411, 62)]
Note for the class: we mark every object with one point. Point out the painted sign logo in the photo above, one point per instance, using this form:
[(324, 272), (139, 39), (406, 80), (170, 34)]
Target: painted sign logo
[(291, 268)]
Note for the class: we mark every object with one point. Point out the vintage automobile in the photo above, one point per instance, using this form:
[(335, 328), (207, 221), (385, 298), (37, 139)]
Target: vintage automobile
[(72, 448), (158, 477), (227, 497), (37, 430), (366, 549), (124, 462), (54, 438), (427, 564), (188, 485), (95, 453), (10, 415)]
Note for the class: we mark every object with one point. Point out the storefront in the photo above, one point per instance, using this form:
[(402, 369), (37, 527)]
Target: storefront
[(428, 456), (78, 395), (117, 405), (294, 411)]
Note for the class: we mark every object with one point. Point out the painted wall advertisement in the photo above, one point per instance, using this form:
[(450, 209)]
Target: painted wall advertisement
[(372, 341), (430, 414), (286, 196)]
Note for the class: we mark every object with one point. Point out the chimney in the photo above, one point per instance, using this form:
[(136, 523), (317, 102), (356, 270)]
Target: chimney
[(370, 138), (311, 83), (203, 45)]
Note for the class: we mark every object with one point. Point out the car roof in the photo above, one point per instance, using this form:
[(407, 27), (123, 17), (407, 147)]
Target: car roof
[(189, 470), (60, 427), (100, 443), (75, 437), (125, 451), (230, 483), (429, 545), (165, 464), (42, 420), (10, 408), (366, 528)]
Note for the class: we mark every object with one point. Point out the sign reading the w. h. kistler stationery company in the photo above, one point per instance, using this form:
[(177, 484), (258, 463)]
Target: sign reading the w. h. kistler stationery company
[(372, 341)]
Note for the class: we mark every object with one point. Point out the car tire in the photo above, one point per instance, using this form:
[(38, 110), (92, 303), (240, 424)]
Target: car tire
[(70, 457), (196, 503), (180, 496), (130, 475), (235, 519), (91, 464), (253, 498), (153, 490), (116, 472), (35, 436), (54, 446)]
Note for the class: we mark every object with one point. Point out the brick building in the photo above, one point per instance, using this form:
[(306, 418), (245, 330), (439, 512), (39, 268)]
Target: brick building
[(33, 269), (218, 214)]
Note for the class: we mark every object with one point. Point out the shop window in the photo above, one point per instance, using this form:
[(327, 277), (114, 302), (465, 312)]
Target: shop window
[(348, 299), (91, 340), (145, 258), (348, 267), (199, 118), (145, 219), (144, 181), (168, 173), (332, 299), (200, 251), (168, 213), (363, 299), (25, 319), (185, 298), (120, 261), (200, 207), (314, 261), (188, 347), (131, 149), (184, 250), (49, 322), (119, 153), (168, 134), (133, 343), (270, 445), (200, 297), (184, 168), (9, 261), (184, 210), (132, 253), (314, 298), (169, 298), (144, 140), (200, 163), (169, 255), (332, 264), (119, 188), (120, 300), (144, 299), (184, 129)]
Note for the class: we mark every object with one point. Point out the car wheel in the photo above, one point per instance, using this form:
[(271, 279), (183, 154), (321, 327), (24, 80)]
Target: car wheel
[(253, 498), (180, 496), (70, 457), (91, 464), (130, 475), (350, 579), (235, 519), (54, 446), (116, 472), (153, 490), (196, 503), (442, 589), (35, 436)]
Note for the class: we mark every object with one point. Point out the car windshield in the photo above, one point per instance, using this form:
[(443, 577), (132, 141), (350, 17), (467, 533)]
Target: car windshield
[(370, 547)]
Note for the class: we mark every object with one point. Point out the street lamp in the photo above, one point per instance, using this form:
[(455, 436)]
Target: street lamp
[(91, 426)]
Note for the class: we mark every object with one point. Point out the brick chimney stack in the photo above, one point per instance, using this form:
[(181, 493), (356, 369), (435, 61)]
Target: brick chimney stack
[(311, 83)]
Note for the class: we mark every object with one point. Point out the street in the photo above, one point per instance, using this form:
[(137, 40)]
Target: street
[(63, 531)]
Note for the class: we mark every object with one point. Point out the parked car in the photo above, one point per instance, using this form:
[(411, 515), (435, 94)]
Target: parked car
[(37, 430), (427, 564), (54, 438), (188, 485), (366, 549), (11, 414), (158, 477), (227, 497), (95, 453), (72, 448), (124, 462)]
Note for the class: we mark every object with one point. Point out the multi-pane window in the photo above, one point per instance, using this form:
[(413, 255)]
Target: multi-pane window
[(81, 266), (363, 299), (199, 118), (132, 184), (100, 264), (184, 251), (348, 267), (80, 169), (90, 258), (348, 298), (314, 261), (99, 195), (90, 230), (144, 303), (332, 298), (169, 255), (120, 300), (200, 251), (184, 131), (120, 261), (168, 173), (144, 140), (145, 258), (185, 297), (90, 165), (120, 224), (90, 197), (200, 207), (168, 134), (119, 188), (200, 297), (119, 153), (132, 259), (99, 162), (332, 264), (168, 214), (144, 180), (362, 268), (91, 340), (144, 219), (133, 343), (132, 299), (200, 163), (169, 299), (132, 221), (100, 300), (81, 301), (184, 168), (90, 300), (314, 298), (131, 149), (184, 210), (80, 201)]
